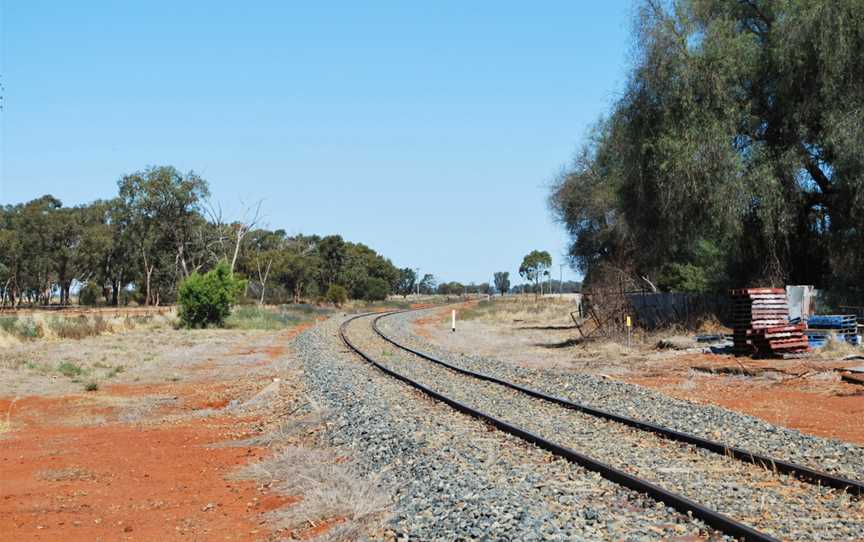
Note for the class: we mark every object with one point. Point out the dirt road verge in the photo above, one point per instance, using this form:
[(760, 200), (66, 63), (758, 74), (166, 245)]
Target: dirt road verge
[(154, 451)]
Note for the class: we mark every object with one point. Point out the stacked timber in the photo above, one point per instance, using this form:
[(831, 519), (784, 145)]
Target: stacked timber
[(761, 323)]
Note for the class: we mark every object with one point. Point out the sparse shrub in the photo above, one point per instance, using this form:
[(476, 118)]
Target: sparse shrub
[(89, 295), (69, 369), (30, 329), (91, 386), (206, 300), (22, 328), (337, 294)]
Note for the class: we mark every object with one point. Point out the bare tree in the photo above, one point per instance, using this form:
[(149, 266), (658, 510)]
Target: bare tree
[(231, 235), (262, 277)]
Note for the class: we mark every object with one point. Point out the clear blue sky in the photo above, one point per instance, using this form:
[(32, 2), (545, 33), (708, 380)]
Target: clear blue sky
[(427, 130)]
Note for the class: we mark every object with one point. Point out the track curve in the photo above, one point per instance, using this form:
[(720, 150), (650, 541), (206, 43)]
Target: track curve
[(714, 519), (801, 472)]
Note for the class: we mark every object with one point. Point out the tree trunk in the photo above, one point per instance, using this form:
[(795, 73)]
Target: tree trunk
[(148, 271), (263, 280)]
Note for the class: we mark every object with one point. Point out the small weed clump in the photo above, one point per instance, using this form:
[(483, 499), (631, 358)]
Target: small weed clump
[(70, 370), (91, 386)]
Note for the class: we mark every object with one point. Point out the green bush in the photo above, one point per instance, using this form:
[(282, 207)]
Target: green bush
[(375, 289), (89, 295), (205, 300), (337, 294)]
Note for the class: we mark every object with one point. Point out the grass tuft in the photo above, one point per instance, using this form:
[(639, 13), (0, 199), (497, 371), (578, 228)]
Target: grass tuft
[(70, 370)]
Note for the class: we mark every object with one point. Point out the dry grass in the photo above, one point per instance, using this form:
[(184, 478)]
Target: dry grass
[(66, 475), (836, 349), (523, 310), (6, 421), (16, 329), (7, 340), (329, 488)]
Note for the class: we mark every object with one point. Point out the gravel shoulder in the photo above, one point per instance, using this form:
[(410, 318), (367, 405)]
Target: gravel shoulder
[(454, 478)]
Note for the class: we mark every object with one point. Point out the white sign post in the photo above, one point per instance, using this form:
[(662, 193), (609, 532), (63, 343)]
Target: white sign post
[(453, 318)]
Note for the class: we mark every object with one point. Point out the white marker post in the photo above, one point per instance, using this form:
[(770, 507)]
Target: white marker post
[(453, 317)]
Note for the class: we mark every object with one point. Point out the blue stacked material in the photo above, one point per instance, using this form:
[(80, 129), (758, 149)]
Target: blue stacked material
[(832, 321), (824, 327)]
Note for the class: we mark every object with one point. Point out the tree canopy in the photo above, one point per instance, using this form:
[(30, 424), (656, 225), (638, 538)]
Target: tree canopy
[(502, 282), (535, 266), (733, 156), (158, 231)]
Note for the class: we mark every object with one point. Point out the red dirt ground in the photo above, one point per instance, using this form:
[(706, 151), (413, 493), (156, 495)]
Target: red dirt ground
[(121, 482), (826, 408), (151, 479)]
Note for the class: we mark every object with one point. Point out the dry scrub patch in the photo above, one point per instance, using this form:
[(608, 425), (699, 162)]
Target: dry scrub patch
[(329, 492), (153, 454)]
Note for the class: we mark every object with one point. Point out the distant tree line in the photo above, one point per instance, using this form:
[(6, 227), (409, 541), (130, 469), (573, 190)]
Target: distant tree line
[(159, 230), (734, 156)]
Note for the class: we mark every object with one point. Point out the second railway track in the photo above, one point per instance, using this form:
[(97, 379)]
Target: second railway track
[(740, 499)]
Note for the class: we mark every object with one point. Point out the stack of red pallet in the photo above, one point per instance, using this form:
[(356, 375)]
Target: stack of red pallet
[(761, 323)]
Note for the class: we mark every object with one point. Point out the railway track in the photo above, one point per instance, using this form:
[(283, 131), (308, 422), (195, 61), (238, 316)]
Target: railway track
[(803, 473), (476, 391)]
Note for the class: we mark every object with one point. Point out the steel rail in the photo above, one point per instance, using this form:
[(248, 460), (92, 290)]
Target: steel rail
[(805, 474), (678, 502)]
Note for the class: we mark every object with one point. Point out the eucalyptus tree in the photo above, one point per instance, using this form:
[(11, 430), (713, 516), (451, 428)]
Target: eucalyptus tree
[(535, 267), (406, 282), (737, 139), (160, 208), (502, 282)]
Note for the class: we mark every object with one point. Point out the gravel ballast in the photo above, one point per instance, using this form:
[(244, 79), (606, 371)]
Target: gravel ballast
[(452, 477), (709, 421), (779, 505)]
